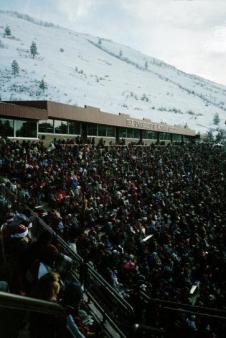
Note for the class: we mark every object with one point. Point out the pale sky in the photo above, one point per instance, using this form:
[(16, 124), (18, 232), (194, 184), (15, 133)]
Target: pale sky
[(189, 34)]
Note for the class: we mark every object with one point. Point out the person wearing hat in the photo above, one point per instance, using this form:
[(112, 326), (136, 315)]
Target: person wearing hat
[(18, 240), (16, 245)]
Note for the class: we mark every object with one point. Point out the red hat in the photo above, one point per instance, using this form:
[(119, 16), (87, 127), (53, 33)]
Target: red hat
[(129, 265)]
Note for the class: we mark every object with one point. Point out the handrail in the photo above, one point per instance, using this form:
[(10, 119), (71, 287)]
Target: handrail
[(114, 325), (201, 314), (79, 259), (111, 290), (66, 247), (16, 302), (199, 310)]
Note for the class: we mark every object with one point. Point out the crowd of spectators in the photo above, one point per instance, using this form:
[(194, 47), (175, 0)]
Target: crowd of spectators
[(144, 217)]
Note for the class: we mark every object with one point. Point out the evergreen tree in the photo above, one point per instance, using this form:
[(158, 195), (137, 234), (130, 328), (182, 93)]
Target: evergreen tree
[(216, 119), (120, 53), (210, 136), (99, 41), (43, 85), (220, 137), (146, 65), (15, 67), (7, 31), (33, 49)]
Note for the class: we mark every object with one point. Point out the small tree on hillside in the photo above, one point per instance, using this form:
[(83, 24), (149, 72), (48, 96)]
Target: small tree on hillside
[(15, 68), (221, 135), (33, 49), (210, 136), (43, 85), (146, 65), (7, 31), (216, 119), (99, 41), (120, 53)]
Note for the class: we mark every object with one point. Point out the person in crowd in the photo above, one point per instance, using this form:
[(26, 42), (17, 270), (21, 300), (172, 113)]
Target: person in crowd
[(80, 322), (42, 325)]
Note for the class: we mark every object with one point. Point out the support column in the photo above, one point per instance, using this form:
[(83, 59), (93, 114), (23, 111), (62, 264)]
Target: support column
[(116, 134), (157, 137), (84, 131), (141, 136)]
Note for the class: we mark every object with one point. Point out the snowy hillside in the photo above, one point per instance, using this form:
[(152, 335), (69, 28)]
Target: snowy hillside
[(81, 69)]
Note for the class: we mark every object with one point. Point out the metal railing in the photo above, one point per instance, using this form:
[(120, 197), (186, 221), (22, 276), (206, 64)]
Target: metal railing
[(12, 301), (25, 316), (194, 309), (97, 288), (165, 315)]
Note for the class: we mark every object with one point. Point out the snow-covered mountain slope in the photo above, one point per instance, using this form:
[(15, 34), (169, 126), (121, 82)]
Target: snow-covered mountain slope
[(82, 69)]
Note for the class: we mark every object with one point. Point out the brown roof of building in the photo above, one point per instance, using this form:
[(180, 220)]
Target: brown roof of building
[(49, 109), (21, 111)]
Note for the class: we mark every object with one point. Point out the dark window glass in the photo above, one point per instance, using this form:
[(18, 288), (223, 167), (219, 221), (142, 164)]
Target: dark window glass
[(152, 135), (25, 128), (164, 136), (110, 131), (136, 133), (45, 126), (145, 134), (187, 139), (102, 131), (74, 128), (6, 127), (92, 129), (61, 127), (122, 132), (161, 136), (177, 137), (130, 133)]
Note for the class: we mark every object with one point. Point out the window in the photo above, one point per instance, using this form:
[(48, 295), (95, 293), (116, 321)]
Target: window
[(145, 134), (187, 139), (151, 135), (136, 133), (45, 126), (177, 138), (122, 132), (60, 127), (25, 128), (92, 129), (6, 127), (102, 131), (164, 136), (74, 128), (110, 131), (130, 133)]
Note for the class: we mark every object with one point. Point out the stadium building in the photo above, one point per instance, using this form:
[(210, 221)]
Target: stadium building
[(47, 120)]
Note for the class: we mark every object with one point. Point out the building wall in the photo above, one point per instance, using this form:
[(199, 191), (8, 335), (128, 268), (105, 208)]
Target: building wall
[(131, 129), (22, 112), (95, 115)]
